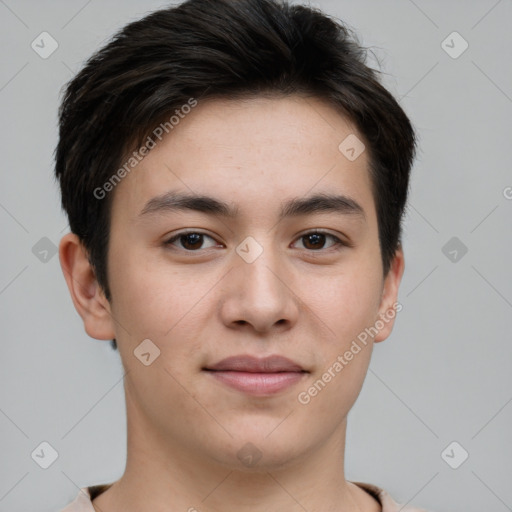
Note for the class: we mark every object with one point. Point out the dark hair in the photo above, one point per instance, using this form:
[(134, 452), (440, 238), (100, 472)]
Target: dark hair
[(220, 49)]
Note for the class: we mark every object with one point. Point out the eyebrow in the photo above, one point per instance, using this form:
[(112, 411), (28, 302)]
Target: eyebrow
[(317, 203)]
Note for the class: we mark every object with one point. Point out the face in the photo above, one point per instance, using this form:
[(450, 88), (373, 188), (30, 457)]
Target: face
[(252, 299)]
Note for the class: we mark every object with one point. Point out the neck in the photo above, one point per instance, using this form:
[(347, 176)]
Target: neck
[(166, 477)]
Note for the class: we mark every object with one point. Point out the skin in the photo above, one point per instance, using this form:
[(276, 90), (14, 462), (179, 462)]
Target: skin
[(185, 428)]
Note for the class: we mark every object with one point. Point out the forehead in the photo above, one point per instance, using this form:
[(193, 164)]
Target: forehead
[(251, 150)]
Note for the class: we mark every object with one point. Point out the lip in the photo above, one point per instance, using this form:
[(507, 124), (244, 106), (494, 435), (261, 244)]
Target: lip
[(257, 376), (251, 364)]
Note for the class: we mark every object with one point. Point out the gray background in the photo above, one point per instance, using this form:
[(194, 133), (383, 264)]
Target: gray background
[(443, 376)]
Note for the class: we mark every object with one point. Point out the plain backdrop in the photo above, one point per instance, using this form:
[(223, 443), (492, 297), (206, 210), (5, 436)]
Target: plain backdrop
[(443, 376)]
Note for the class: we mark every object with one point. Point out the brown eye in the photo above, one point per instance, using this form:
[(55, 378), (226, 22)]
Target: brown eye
[(316, 240), (191, 241)]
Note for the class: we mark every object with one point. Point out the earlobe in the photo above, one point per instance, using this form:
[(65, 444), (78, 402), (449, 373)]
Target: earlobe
[(389, 305), (87, 295)]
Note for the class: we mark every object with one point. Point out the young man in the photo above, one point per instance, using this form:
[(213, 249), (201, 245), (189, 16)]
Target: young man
[(235, 178)]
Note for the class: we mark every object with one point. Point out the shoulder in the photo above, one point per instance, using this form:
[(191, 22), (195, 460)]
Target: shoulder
[(388, 504), (83, 501)]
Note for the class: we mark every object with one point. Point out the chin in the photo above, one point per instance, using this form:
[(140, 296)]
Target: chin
[(258, 450)]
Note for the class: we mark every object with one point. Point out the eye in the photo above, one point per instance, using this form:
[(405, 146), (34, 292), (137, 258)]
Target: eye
[(191, 240), (315, 240)]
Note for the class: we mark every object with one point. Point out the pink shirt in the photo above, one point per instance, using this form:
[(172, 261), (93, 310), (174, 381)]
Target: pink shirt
[(82, 502)]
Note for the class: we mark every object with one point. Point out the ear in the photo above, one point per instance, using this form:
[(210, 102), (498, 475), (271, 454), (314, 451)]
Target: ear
[(87, 295), (389, 305)]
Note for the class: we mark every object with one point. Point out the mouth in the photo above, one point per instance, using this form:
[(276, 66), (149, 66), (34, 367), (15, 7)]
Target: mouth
[(257, 376)]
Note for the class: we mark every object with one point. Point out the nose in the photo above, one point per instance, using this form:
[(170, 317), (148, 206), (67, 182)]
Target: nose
[(259, 295)]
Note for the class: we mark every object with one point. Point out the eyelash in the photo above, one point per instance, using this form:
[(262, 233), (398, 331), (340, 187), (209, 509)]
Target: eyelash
[(338, 243)]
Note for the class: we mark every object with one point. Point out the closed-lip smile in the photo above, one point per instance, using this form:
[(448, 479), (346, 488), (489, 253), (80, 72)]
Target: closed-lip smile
[(255, 375)]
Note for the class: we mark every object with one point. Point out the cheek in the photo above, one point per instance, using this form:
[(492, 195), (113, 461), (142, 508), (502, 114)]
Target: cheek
[(152, 299), (158, 391), (345, 304), (348, 307)]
